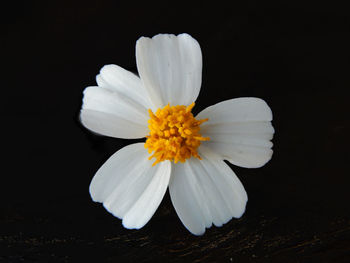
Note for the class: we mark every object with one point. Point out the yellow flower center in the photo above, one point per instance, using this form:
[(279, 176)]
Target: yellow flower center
[(174, 134)]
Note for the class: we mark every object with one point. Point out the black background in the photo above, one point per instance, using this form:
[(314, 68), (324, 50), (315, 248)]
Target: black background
[(296, 57)]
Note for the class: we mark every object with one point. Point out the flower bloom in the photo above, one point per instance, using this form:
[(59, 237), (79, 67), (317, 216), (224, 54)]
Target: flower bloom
[(181, 151)]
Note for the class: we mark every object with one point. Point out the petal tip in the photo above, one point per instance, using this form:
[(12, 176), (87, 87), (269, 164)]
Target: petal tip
[(127, 225)]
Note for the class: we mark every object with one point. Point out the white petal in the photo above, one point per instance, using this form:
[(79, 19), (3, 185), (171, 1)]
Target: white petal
[(124, 82), (240, 131), (129, 186), (110, 113), (206, 191), (237, 110), (170, 68)]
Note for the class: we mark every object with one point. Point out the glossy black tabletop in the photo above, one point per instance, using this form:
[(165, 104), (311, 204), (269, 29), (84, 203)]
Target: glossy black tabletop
[(295, 57)]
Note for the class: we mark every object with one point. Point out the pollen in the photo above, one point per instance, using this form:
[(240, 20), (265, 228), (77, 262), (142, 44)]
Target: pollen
[(174, 134)]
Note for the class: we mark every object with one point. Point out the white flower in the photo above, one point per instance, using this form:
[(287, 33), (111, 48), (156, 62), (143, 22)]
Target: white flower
[(187, 153)]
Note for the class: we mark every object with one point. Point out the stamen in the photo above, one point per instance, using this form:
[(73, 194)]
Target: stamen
[(174, 134)]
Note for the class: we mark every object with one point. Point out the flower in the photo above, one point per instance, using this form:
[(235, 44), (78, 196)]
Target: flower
[(183, 152)]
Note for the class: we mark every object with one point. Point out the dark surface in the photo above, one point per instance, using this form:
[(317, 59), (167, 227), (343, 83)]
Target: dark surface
[(294, 57)]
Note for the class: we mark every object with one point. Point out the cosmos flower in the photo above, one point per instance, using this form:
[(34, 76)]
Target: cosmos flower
[(182, 152)]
